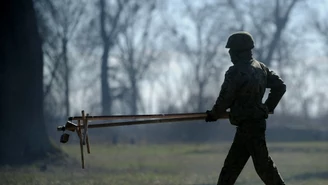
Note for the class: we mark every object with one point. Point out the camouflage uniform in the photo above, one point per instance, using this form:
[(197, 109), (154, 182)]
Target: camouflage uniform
[(242, 91)]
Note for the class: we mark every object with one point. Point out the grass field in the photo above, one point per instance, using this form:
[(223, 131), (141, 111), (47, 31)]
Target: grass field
[(178, 164)]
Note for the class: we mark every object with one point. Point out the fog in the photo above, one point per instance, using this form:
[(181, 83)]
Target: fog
[(142, 57)]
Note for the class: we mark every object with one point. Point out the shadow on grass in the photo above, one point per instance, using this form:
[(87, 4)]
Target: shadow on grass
[(272, 149), (297, 149), (298, 177), (310, 175), (237, 183)]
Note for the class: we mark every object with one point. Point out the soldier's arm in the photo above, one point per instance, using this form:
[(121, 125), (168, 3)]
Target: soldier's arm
[(227, 94), (277, 89)]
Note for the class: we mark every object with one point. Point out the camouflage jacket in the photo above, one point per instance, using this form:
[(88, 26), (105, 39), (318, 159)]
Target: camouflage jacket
[(243, 89)]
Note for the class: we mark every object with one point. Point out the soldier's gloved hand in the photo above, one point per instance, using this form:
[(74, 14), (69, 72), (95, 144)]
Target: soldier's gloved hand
[(265, 111), (270, 111), (209, 117)]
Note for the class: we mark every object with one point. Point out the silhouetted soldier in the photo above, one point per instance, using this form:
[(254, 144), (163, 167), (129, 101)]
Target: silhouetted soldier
[(242, 91)]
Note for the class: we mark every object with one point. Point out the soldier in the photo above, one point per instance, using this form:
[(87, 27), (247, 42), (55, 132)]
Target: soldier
[(242, 92)]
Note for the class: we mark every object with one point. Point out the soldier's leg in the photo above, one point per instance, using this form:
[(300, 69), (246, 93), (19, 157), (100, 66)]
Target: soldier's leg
[(234, 162), (263, 163)]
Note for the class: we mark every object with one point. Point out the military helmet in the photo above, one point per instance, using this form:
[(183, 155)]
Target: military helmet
[(240, 41)]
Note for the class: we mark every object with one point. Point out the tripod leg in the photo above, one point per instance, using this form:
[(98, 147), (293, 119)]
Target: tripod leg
[(78, 131)]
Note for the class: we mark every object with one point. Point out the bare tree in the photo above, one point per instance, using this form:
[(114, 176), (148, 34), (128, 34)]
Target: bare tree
[(59, 21), (137, 51), (23, 135), (201, 47), (111, 25), (320, 26), (268, 21), (198, 39)]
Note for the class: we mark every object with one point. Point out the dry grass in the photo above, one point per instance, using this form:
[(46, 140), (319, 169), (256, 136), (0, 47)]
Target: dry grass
[(178, 164)]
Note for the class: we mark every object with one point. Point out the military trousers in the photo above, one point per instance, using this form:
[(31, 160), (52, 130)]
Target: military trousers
[(249, 142)]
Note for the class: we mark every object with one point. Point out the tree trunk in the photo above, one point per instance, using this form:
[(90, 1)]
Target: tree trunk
[(274, 43), (134, 94), (23, 136), (66, 75), (105, 92), (106, 101)]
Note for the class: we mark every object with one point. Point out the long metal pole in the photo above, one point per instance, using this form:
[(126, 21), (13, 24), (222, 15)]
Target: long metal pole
[(199, 116), (145, 116), (142, 122), (168, 118), (193, 117)]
